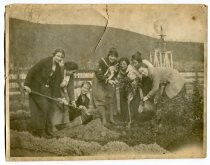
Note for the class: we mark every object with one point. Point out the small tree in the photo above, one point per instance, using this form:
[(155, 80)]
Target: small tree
[(197, 107)]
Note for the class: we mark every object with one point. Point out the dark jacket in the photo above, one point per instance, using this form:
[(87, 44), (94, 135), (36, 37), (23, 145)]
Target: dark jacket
[(103, 66), (83, 100), (41, 75)]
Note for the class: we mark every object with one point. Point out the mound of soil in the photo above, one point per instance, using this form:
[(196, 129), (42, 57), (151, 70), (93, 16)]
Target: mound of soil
[(24, 142), (61, 147), (93, 131), (150, 148)]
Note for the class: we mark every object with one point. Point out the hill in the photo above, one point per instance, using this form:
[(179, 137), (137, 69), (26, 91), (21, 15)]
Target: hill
[(29, 42)]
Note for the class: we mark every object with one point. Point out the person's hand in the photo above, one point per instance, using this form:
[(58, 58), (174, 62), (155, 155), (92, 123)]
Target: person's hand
[(83, 108), (116, 82), (111, 82), (73, 104), (27, 89), (62, 101), (61, 63), (145, 98), (63, 84), (134, 83)]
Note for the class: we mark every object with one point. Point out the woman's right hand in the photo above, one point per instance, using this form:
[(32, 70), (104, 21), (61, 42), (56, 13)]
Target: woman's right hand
[(27, 89)]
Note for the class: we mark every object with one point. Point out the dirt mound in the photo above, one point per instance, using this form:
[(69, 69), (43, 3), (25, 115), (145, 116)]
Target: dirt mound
[(121, 147), (70, 147), (62, 147), (115, 147), (93, 131), (150, 148)]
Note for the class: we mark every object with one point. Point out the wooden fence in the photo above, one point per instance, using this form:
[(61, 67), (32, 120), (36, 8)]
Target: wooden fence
[(87, 75)]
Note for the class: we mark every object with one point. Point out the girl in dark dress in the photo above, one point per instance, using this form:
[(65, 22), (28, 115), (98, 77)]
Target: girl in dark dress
[(124, 87)]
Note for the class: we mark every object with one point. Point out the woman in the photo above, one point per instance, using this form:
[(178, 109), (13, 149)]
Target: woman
[(60, 115), (124, 87), (45, 78), (172, 78), (127, 78), (136, 61), (139, 87), (103, 86)]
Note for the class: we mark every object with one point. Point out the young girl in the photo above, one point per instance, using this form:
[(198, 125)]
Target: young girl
[(103, 86)]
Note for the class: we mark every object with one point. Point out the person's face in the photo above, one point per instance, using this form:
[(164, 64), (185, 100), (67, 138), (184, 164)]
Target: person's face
[(85, 89), (143, 72), (58, 57), (135, 63), (123, 65), (112, 58), (70, 72)]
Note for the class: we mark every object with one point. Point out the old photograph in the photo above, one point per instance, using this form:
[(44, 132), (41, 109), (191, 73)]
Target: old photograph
[(105, 81)]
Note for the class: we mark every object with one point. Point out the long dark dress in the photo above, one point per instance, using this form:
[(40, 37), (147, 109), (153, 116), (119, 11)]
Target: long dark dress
[(124, 91), (42, 79)]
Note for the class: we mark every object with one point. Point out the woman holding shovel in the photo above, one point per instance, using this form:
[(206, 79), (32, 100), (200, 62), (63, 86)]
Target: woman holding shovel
[(44, 77)]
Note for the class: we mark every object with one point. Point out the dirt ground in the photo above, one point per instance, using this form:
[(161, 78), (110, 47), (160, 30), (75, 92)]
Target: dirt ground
[(158, 132)]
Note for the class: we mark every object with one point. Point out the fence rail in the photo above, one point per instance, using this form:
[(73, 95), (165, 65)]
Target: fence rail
[(87, 75)]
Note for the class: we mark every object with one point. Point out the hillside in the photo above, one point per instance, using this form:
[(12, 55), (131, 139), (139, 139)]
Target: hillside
[(29, 42)]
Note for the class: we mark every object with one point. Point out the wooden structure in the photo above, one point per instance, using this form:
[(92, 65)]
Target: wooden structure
[(161, 57)]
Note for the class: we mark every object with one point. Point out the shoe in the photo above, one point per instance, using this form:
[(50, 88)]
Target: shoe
[(47, 135), (54, 129), (36, 133), (113, 122)]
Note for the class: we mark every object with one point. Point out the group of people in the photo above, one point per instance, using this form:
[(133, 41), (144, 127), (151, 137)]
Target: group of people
[(50, 84), (140, 86)]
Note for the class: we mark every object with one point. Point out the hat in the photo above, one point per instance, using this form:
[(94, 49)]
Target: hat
[(70, 65)]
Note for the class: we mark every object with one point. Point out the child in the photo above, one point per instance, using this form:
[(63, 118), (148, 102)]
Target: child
[(82, 97)]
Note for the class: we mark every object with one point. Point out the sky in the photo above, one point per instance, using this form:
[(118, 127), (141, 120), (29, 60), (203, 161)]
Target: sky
[(186, 23)]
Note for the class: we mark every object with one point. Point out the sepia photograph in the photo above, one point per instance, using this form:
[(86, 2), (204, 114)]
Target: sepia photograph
[(92, 82)]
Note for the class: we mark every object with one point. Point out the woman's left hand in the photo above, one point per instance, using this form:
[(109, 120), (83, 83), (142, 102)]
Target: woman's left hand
[(62, 101), (145, 98)]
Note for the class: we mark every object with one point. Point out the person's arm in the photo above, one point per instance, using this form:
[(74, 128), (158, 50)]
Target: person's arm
[(149, 64), (155, 85), (70, 89)]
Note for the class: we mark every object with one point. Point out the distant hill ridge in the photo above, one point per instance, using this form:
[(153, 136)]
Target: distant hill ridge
[(30, 42)]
